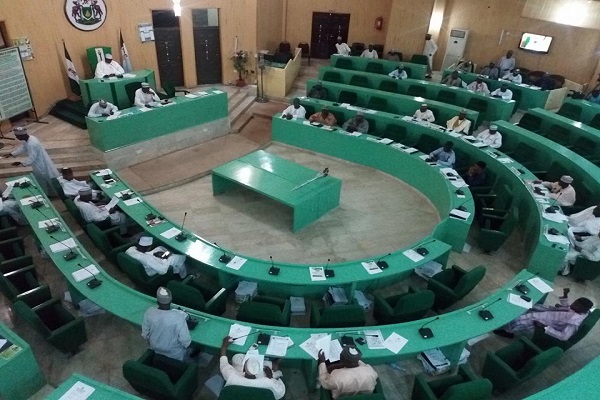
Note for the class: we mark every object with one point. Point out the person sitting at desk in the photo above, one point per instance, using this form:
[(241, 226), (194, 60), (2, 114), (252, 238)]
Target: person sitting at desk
[(594, 97), (348, 377), (166, 330), (370, 53), (145, 96), (452, 80), (479, 86), (318, 92), (157, 260), (460, 123), (464, 66), (392, 55), (10, 207), (475, 175), (507, 63), (444, 156), (251, 375), (424, 114), (398, 73), (586, 222), (102, 108), (342, 48), (294, 111), (588, 248), (503, 92), (561, 191), (491, 71), (545, 82), (515, 77), (108, 68), (491, 137), (72, 186), (323, 117), (358, 123), (560, 321), (91, 212)]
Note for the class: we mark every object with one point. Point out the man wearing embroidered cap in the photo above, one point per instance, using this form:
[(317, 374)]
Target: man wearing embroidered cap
[(250, 374), (479, 86), (491, 137), (561, 191), (108, 68), (424, 114), (165, 329), (102, 108), (357, 123), (145, 96), (349, 377), (342, 48), (459, 123), (157, 260), (91, 212), (37, 157)]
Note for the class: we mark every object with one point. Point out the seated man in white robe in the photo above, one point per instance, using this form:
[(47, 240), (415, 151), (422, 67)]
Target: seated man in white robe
[(370, 53), (514, 77), (72, 186), (108, 68), (145, 96), (491, 137), (157, 260), (342, 48), (91, 212), (398, 73), (585, 223), (424, 114), (294, 111), (562, 191), (503, 92), (588, 248), (102, 108)]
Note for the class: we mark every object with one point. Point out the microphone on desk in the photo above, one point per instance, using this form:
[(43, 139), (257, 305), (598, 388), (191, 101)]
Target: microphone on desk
[(225, 258), (383, 264), (70, 255), (459, 190), (485, 314), (427, 333), (53, 227), (24, 184), (555, 207), (461, 207), (150, 215), (37, 203), (94, 282), (521, 287), (273, 270), (329, 273), (182, 236), (421, 250)]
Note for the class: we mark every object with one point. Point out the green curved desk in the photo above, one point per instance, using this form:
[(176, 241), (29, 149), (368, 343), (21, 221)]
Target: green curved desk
[(582, 385), (588, 109), (397, 103), (496, 108), (417, 71), (101, 391), (113, 90)]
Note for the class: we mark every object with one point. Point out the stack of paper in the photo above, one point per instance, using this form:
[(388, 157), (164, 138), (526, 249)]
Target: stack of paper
[(362, 300), (429, 269), (65, 245), (459, 214), (555, 217), (239, 333), (278, 346), (434, 361), (309, 345), (560, 239), (331, 348), (317, 273), (245, 291), (85, 273), (374, 339), (540, 285), (297, 305), (170, 233)]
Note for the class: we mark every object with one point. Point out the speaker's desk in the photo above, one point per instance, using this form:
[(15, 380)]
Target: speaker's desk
[(417, 71), (113, 89), (496, 108), (101, 391)]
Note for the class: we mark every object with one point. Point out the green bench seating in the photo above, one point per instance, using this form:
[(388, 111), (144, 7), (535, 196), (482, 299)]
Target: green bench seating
[(589, 113), (413, 70), (465, 385), (19, 282)]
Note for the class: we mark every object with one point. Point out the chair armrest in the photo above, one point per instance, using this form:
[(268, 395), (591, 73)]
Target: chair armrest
[(8, 233), (286, 313), (315, 314), (530, 345), (467, 372), (458, 269), (35, 296), (216, 304), (421, 389), (15, 263), (188, 382), (381, 305), (29, 268), (46, 304)]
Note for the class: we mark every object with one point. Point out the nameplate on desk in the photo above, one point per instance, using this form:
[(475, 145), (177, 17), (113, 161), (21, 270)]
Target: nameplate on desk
[(236, 263), (413, 255), (89, 272), (133, 201), (459, 214)]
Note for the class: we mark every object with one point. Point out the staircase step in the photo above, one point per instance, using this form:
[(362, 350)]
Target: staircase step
[(73, 106), (241, 122), (70, 117), (235, 100), (62, 158), (240, 109)]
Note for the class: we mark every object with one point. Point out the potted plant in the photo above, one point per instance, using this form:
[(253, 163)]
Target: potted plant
[(240, 60)]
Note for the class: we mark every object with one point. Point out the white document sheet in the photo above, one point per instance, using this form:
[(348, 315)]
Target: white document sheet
[(395, 343), (48, 222), (82, 274), (560, 239), (277, 346), (79, 391), (518, 301), (374, 339), (113, 202), (28, 200), (309, 345), (133, 201), (104, 172), (236, 263), (191, 96), (317, 273), (413, 255), (170, 233), (63, 246), (540, 285), (239, 331), (371, 267), (385, 141), (456, 213)]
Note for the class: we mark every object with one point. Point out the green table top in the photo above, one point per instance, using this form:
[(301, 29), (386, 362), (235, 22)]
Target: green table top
[(582, 385), (588, 109), (418, 71), (101, 391), (497, 108), (137, 124)]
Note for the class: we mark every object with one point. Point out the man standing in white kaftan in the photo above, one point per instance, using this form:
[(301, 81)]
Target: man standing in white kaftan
[(429, 50)]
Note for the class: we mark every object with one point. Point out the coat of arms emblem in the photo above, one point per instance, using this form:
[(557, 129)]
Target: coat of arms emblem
[(87, 15)]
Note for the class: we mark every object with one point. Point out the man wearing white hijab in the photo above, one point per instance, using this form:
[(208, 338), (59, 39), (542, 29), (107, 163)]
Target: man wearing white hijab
[(251, 375), (108, 68), (37, 157), (349, 377), (154, 260)]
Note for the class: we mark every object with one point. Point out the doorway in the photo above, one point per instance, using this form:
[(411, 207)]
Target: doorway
[(207, 45), (167, 40), (326, 27)]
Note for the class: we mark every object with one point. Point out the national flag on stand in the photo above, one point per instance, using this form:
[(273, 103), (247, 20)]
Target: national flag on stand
[(72, 73), (125, 62)]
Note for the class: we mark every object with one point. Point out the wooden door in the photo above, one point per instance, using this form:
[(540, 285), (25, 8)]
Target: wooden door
[(167, 40), (326, 27), (207, 45)]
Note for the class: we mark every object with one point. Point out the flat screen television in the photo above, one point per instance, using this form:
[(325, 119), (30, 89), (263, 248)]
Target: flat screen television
[(535, 43)]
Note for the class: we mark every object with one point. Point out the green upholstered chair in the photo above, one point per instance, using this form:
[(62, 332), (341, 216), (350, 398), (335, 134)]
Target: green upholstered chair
[(130, 89), (417, 91), (136, 272), (333, 76), (56, 325), (19, 281), (170, 91), (109, 241), (161, 377), (357, 48), (375, 68), (571, 111), (479, 105), (359, 80), (377, 103), (396, 132), (545, 342), (446, 96), (496, 229), (194, 294), (531, 122), (344, 63), (347, 97), (497, 203), (245, 393), (559, 134), (265, 310), (586, 148), (336, 316), (388, 85), (465, 385), (514, 364), (403, 307), (310, 110), (92, 56), (376, 395), (585, 270), (523, 153), (11, 244), (452, 284), (595, 122), (427, 143), (419, 59), (517, 97)]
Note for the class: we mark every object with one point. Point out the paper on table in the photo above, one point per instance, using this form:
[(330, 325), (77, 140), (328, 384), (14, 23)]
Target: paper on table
[(398, 146), (122, 192), (113, 202), (64, 245), (410, 150), (309, 345), (371, 267), (218, 91), (170, 233), (128, 75), (385, 141), (560, 239), (115, 115), (133, 201), (424, 156), (306, 122), (355, 133), (556, 217), (374, 339), (413, 255), (12, 183), (191, 96), (344, 105), (7, 191), (518, 301), (104, 172), (79, 391), (395, 343), (237, 331), (144, 109), (540, 285), (236, 263), (323, 344), (28, 200), (47, 222), (456, 213), (86, 273), (459, 183), (277, 346), (3, 342), (335, 349), (317, 273), (505, 160), (454, 134)]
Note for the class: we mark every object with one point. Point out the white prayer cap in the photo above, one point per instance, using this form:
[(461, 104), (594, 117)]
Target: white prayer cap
[(424, 105), (163, 295), (463, 111), (252, 366), (493, 127), (20, 130), (339, 38), (85, 192), (362, 114), (145, 84), (566, 179), (108, 56), (102, 103), (145, 241), (480, 76)]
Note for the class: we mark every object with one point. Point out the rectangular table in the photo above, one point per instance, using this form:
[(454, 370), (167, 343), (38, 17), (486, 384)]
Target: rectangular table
[(278, 178), (113, 89)]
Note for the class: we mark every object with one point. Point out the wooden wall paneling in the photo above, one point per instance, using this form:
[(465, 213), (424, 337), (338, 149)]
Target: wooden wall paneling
[(269, 24), (409, 22)]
